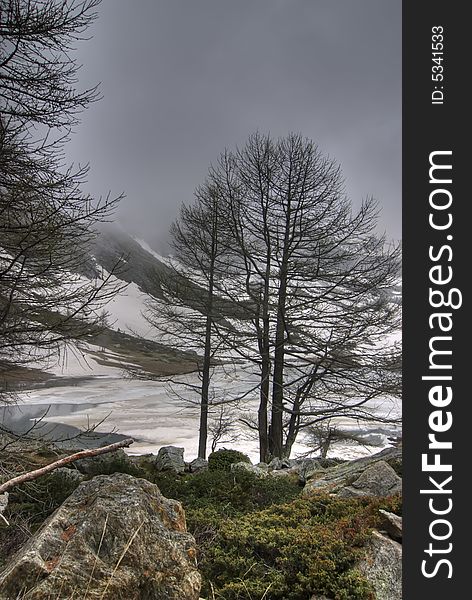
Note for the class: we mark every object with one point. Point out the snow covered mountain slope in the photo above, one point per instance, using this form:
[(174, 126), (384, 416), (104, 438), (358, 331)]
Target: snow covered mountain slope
[(127, 343)]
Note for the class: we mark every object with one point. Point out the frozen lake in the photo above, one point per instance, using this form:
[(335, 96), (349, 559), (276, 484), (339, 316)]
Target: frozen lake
[(152, 414)]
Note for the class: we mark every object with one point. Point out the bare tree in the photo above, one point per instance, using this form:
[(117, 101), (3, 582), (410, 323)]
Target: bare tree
[(315, 281), (190, 308), (46, 221), (326, 433)]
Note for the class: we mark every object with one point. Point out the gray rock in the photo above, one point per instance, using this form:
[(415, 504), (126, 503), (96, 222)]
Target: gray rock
[(304, 468), (307, 467), (248, 468), (143, 462), (378, 479), (280, 463), (333, 479), (262, 465), (117, 538), (106, 464), (170, 458), (68, 476), (285, 474), (392, 524), (382, 566), (198, 465)]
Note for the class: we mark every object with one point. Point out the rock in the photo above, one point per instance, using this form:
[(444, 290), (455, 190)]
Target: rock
[(170, 458), (333, 479), (285, 474), (106, 464), (280, 463), (248, 468), (68, 476), (143, 463), (262, 465), (382, 566), (378, 479), (392, 524), (307, 467), (198, 465), (117, 538)]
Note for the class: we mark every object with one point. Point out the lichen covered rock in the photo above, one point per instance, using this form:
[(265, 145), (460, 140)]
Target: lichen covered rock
[(379, 479), (248, 468), (382, 566), (116, 537), (198, 465), (335, 479)]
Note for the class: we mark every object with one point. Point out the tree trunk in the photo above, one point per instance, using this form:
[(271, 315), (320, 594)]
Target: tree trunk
[(264, 349), (206, 376), (293, 426), (203, 431), (262, 420), (278, 378), (279, 353), (204, 401)]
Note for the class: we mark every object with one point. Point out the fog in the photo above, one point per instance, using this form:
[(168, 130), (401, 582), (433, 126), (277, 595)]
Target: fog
[(183, 80)]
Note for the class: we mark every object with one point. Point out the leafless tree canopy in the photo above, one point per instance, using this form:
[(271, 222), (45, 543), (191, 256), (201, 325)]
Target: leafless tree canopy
[(46, 221), (294, 281)]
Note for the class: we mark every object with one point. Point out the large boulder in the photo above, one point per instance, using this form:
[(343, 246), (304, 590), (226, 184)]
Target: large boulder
[(116, 538), (382, 566), (334, 479), (170, 458), (379, 479)]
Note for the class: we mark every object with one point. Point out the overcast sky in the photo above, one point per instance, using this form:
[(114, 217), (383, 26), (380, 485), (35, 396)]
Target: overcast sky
[(183, 79)]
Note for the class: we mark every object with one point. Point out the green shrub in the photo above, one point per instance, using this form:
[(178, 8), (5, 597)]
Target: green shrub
[(227, 494), (289, 552), (256, 536), (221, 460)]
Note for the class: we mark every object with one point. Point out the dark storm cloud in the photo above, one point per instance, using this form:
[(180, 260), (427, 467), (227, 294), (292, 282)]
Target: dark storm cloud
[(183, 79)]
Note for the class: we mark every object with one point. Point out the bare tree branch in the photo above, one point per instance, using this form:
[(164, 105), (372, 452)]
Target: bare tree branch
[(7, 485)]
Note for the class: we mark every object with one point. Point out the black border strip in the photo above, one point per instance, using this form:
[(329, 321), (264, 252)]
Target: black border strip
[(427, 128)]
